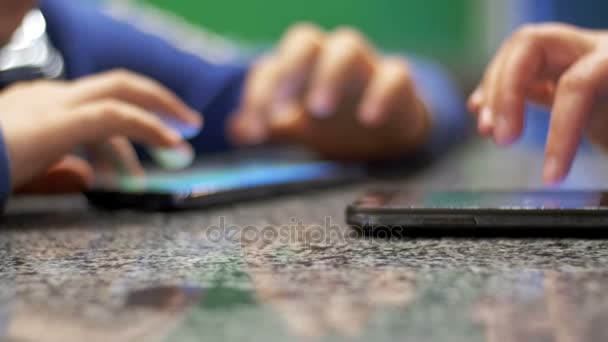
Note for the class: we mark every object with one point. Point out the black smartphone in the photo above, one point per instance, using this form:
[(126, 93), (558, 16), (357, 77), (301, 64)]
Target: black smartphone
[(537, 213), (205, 186)]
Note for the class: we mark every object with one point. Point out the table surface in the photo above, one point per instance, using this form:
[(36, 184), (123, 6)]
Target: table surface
[(69, 272)]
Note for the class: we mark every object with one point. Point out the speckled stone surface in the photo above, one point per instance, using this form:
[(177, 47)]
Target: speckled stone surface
[(71, 273)]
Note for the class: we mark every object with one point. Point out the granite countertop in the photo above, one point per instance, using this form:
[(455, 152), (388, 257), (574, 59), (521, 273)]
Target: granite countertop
[(72, 273)]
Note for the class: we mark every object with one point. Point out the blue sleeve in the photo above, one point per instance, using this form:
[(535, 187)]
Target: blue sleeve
[(5, 174), (92, 42), (446, 104)]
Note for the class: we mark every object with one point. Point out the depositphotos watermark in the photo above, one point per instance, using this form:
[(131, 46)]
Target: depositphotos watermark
[(297, 231)]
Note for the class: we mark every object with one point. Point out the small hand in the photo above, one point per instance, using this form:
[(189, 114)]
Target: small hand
[(557, 66), (43, 121)]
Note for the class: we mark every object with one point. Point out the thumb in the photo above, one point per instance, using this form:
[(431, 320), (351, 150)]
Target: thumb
[(69, 175)]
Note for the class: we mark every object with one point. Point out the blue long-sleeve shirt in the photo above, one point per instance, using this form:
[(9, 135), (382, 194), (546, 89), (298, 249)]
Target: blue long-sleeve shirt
[(91, 42)]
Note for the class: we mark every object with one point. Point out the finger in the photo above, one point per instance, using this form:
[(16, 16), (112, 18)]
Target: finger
[(563, 46), (102, 120), (136, 90), (346, 63), (536, 52), (175, 158), (475, 101), (542, 93), (249, 125), (274, 84), (389, 92), (519, 71), (577, 92), (296, 58), (69, 175), (126, 158), (485, 120), (117, 155)]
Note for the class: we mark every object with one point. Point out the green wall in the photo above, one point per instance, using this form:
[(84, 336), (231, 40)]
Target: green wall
[(439, 28)]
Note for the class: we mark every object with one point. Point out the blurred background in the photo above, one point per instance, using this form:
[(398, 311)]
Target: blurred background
[(460, 34)]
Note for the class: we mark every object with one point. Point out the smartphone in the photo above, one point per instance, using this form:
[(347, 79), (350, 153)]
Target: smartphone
[(407, 213), (206, 186)]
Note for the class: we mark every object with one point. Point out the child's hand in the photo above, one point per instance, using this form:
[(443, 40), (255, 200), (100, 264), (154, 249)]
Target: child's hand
[(43, 121), (333, 93), (555, 65)]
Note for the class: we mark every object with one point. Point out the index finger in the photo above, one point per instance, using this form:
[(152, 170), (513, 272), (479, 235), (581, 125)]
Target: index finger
[(137, 90), (576, 95)]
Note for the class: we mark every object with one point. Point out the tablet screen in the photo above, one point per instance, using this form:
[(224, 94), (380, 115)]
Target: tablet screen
[(243, 175), (485, 200)]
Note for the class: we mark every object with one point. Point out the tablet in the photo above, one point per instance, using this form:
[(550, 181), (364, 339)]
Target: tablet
[(206, 186)]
